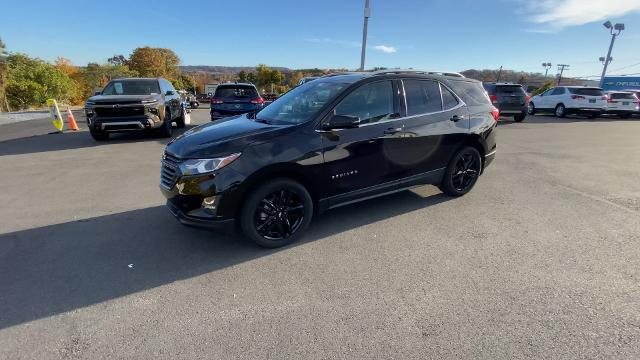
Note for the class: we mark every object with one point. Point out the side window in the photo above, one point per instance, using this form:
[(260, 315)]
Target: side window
[(558, 91), (163, 87), (423, 96), (472, 93), (449, 101), (369, 103)]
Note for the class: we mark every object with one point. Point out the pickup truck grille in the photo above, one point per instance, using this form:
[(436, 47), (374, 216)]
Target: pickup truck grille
[(169, 171), (119, 111)]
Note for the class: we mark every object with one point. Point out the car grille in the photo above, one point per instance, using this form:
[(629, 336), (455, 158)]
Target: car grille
[(169, 171), (120, 111)]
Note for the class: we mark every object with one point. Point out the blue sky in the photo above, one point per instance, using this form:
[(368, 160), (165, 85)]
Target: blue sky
[(430, 34)]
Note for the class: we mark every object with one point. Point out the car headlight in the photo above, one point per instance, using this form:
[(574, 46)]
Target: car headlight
[(149, 102), (203, 166)]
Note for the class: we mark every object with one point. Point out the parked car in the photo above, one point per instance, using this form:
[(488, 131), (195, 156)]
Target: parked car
[(134, 104), (510, 99), (234, 99), (332, 142), (306, 79), (566, 100), (203, 98), (622, 103)]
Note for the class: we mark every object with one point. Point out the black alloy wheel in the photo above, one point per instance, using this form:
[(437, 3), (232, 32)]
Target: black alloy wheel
[(279, 215), (462, 172), (276, 213)]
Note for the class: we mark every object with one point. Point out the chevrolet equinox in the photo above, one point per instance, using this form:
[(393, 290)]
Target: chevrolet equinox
[(333, 141)]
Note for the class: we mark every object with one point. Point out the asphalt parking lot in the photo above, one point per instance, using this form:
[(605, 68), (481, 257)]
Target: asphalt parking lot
[(540, 260)]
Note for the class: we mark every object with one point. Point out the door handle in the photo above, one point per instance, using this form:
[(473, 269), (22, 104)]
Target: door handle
[(456, 118), (391, 131)]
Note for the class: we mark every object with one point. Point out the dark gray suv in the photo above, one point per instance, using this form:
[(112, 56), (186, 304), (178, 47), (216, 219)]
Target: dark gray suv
[(510, 99)]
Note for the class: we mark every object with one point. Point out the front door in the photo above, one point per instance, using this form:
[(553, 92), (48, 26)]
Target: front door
[(355, 158)]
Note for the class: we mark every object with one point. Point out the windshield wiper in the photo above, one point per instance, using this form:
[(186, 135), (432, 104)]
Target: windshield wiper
[(264, 121)]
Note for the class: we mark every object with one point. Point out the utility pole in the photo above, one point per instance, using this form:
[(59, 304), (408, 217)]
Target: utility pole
[(617, 27), (561, 68), (499, 73), (547, 66), (367, 14)]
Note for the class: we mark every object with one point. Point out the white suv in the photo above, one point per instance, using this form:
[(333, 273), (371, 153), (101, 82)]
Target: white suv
[(622, 103), (565, 100)]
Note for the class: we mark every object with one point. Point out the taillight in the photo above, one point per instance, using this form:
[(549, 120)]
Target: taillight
[(610, 101), (258, 101), (496, 114), (527, 99), (577, 97), (216, 100), (494, 99)]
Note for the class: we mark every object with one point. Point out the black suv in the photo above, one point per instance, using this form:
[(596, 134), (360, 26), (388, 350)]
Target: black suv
[(330, 142), (134, 104), (510, 99)]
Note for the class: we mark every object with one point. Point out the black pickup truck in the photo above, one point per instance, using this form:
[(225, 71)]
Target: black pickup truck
[(134, 104)]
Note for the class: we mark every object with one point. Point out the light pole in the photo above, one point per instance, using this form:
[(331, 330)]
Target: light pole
[(367, 14), (546, 66), (612, 29)]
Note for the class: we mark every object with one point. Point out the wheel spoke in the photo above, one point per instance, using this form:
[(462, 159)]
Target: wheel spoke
[(267, 223), (269, 207)]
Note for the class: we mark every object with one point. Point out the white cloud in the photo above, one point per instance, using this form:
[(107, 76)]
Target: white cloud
[(386, 49), (558, 14)]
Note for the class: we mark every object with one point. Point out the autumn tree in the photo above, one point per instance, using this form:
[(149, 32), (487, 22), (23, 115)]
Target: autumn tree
[(155, 62)]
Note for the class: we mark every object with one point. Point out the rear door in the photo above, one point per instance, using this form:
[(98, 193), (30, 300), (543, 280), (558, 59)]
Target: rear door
[(436, 123), (510, 97)]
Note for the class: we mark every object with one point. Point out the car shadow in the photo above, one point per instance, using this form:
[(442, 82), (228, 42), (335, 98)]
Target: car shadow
[(59, 268)]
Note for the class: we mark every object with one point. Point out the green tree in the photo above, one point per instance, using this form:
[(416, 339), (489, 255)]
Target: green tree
[(4, 104), (31, 82), (546, 86), (155, 62), (243, 76)]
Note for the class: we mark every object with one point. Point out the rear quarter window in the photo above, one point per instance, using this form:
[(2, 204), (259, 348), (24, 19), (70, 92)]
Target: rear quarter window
[(471, 92)]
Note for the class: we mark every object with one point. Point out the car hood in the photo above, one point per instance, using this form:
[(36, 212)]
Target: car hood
[(222, 138), (121, 98)]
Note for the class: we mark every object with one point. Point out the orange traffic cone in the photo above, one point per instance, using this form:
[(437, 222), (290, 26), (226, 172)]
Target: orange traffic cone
[(71, 120)]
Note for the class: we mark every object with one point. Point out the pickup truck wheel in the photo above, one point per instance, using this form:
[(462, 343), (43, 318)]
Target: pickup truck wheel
[(180, 121), (99, 136), (519, 117), (166, 129), (276, 213)]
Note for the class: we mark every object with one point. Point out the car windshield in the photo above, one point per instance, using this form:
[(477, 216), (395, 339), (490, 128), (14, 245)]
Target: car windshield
[(587, 91), (624, 96), (236, 92), (302, 103), (516, 89), (132, 87)]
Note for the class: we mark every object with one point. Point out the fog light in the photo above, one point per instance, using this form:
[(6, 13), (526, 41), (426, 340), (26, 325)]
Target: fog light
[(153, 111), (210, 203)]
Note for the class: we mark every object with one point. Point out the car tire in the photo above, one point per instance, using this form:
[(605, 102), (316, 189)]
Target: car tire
[(166, 129), (180, 121), (99, 136), (519, 117), (531, 109), (625, 116), (462, 172), (560, 111), (276, 213), (594, 116)]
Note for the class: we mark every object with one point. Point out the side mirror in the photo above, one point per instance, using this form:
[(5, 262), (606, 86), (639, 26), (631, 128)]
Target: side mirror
[(97, 93), (342, 122), (169, 93)]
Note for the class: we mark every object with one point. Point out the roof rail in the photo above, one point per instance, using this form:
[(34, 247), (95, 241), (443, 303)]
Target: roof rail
[(412, 71)]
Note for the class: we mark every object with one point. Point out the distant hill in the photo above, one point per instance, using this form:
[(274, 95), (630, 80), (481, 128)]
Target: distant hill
[(224, 70)]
